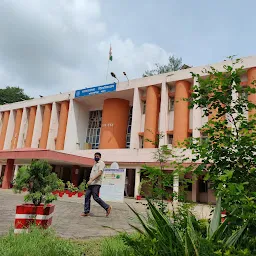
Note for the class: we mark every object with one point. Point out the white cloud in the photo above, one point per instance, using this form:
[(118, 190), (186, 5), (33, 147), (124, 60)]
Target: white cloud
[(63, 45)]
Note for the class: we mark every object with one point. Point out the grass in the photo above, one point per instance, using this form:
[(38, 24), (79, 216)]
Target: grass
[(39, 242)]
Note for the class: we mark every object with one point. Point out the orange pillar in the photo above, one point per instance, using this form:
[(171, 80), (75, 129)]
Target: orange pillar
[(31, 123), (62, 125), (16, 131), (251, 75), (115, 116), (46, 126), (8, 173), (152, 116), (181, 112), (4, 128)]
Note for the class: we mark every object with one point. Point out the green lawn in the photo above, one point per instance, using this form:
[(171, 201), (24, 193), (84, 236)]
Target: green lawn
[(45, 243)]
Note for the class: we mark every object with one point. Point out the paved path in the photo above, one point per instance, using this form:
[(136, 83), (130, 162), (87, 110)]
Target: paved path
[(67, 221)]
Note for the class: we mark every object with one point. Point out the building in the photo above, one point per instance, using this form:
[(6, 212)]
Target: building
[(67, 129)]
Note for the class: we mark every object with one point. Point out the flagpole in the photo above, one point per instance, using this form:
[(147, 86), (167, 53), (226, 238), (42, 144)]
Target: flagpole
[(107, 71), (109, 58)]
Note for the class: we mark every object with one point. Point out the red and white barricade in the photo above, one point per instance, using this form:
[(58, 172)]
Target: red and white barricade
[(29, 214)]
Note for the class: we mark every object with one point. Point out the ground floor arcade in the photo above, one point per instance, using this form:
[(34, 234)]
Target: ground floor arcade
[(76, 169)]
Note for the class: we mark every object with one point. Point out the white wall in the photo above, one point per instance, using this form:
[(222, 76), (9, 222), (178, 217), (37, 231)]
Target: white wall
[(171, 120), (10, 129), (37, 127), (78, 120), (71, 139)]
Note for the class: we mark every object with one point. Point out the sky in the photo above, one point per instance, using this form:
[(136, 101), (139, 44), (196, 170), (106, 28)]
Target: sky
[(53, 46)]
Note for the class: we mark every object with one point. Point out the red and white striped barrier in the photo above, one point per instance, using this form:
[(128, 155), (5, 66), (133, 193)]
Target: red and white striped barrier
[(27, 214), (223, 216)]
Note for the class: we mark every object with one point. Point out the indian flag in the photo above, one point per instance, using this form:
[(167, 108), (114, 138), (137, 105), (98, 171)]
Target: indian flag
[(110, 53)]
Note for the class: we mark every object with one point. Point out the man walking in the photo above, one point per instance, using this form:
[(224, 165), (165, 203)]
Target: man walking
[(94, 185)]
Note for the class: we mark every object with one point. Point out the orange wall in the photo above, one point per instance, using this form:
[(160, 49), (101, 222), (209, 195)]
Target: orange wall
[(31, 124), (181, 112), (115, 116), (62, 125), (152, 116), (16, 128), (6, 116), (46, 126)]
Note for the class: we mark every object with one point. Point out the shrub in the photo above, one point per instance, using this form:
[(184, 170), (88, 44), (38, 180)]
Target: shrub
[(40, 181)]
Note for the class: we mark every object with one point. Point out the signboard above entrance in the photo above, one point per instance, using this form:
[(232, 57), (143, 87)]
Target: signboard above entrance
[(95, 90)]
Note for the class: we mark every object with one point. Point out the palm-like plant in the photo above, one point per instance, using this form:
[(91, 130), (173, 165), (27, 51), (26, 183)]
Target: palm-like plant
[(162, 236)]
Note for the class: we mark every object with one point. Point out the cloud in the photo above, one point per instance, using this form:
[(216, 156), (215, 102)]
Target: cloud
[(51, 46)]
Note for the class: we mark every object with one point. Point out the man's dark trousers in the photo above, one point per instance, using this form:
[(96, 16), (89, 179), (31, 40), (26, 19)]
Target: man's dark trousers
[(93, 190)]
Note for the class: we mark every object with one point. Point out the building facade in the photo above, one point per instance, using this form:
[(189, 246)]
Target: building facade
[(113, 119)]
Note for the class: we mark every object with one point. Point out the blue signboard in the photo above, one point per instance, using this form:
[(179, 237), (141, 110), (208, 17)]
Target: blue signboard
[(95, 90)]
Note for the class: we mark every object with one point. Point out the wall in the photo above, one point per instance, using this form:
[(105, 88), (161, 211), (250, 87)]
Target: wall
[(78, 120)]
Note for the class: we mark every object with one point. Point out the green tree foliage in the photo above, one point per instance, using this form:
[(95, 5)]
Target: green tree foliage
[(173, 65), (228, 155), (40, 181), (12, 94)]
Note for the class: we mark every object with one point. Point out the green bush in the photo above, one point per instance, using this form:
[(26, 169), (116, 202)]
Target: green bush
[(40, 181), (38, 242)]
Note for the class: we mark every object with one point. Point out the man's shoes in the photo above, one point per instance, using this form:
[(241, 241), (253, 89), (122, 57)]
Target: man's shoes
[(85, 214), (108, 211)]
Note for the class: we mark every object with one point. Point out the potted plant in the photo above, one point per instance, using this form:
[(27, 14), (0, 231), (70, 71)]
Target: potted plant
[(40, 182), (60, 189), (71, 188), (82, 188), (1, 181), (138, 197)]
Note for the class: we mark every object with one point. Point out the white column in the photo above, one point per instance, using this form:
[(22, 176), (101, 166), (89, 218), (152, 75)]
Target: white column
[(163, 124), (176, 186), (15, 171), (137, 182), (136, 120), (23, 129), (10, 129), (197, 119), (37, 127), (53, 129), (1, 170)]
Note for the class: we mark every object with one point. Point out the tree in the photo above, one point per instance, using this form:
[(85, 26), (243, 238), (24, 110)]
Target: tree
[(173, 65), (12, 94), (227, 157)]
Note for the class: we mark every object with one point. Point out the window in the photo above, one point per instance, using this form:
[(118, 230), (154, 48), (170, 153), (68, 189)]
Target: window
[(204, 138), (171, 104), (141, 138), (93, 132), (143, 107), (170, 139), (203, 186), (129, 127)]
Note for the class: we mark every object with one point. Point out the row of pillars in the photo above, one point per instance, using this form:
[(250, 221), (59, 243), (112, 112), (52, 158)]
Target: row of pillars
[(181, 110), (181, 114), (60, 140), (116, 113), (9, 174)]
